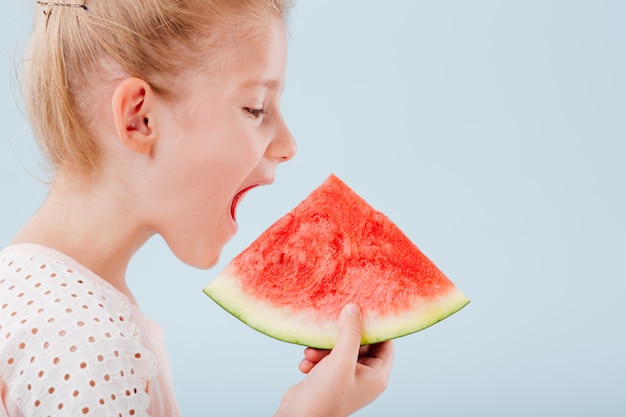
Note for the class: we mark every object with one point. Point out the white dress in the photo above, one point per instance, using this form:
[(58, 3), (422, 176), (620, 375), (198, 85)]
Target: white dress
[(73, 345)]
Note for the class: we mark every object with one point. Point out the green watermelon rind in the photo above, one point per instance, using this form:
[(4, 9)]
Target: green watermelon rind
[(307, 328)]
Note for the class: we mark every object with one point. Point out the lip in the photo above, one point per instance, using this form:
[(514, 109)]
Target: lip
[(240, 195), (237, 199)]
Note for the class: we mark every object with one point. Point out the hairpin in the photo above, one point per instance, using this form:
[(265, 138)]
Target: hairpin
[(80, 4)]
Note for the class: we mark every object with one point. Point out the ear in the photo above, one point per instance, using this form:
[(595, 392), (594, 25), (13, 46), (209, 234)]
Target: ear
[(133, 100)]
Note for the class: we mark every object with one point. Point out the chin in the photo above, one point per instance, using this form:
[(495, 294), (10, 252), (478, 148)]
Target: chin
[(199, 251), (206, 263), (204, 258)]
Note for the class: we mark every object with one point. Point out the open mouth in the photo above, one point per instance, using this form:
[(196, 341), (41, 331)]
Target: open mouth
[(237, 199)]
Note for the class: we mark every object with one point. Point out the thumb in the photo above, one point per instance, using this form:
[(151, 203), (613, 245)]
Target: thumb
[(350, 330)]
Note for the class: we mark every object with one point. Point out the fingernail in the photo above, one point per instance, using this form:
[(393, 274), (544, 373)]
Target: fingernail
[(352, 309)]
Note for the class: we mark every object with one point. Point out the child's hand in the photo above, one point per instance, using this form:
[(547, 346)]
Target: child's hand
[(341, 381)]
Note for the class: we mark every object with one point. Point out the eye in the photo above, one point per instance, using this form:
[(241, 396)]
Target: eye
[(256, 113)]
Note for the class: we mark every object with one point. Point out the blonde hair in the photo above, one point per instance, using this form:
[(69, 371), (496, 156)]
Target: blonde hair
[(71, 47)]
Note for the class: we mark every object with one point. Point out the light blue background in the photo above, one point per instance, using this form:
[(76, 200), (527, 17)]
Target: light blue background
[(493, 133)]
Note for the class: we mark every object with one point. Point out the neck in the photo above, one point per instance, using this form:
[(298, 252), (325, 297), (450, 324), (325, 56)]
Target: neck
[(96, 228)]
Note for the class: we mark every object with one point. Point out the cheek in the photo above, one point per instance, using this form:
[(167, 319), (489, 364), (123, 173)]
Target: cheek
[(213, 154), (237, 151)]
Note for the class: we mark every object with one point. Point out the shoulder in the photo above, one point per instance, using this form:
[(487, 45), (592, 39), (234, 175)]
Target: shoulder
[(66, 341), (42, 293)]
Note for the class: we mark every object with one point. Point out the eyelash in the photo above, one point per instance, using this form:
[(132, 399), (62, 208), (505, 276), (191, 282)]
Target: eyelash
[(256, 113)]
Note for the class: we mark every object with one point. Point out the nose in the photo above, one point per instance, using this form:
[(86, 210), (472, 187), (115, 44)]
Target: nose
[(283, 146)]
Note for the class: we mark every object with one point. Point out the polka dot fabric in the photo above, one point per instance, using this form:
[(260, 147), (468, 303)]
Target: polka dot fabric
[(69, 345)]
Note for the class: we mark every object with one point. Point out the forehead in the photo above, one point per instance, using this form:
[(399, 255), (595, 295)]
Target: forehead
[(256, 59)]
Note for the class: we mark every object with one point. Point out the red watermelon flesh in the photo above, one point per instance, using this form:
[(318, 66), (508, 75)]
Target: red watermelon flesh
[(334, 248)]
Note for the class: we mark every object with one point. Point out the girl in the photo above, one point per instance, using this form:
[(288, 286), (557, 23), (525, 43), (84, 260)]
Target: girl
[(157, 116)]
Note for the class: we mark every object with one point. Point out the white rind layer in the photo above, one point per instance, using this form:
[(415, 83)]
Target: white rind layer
[(307, 329)]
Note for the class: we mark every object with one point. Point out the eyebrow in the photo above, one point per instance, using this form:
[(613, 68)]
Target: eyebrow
[(272, 84)]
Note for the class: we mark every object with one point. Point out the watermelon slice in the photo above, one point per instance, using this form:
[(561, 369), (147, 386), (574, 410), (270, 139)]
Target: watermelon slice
[(334, 248)]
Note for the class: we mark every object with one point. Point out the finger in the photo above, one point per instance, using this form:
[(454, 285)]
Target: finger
[(380, 357), (377, 350), (315, 355), (305, 366), (386, 352), (363, 350), (350, 328)]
